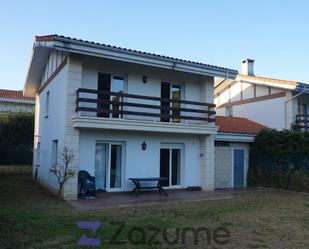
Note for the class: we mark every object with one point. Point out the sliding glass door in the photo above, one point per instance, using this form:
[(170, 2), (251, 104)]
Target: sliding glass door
[(170, 164), (109, 166)]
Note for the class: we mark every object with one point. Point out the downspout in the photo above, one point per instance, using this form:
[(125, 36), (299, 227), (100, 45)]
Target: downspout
[(285, 107)]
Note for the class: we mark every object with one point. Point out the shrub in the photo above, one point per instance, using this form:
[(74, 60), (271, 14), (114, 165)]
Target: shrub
[(16, 138), (280, 159)]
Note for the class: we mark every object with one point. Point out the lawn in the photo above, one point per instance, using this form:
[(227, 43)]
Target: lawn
[(32, 218)]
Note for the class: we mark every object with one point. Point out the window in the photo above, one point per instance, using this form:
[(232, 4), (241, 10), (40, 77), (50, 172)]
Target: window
[(229, 111), (176, 96), (302, 108), (222, 144), (37, 154), (47, 105), (54, 154), (117, 86)]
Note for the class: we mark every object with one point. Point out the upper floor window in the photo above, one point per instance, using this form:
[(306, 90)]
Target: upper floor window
[(302, 108), (229, 111), (118, 87), (47, 104)]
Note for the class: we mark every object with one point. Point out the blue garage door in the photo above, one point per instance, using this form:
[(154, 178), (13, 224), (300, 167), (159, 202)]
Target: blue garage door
[(239, 156)]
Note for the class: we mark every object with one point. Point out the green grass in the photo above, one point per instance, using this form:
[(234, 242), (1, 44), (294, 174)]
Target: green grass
[(32, 218)]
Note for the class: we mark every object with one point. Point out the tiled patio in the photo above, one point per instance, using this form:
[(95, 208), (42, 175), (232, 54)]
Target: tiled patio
[(124, 199)]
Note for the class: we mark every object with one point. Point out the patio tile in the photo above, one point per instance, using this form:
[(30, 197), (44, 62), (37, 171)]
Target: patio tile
[(124, 199)]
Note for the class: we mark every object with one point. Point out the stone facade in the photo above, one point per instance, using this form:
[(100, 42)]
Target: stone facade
[(223, 167), (224, 162)]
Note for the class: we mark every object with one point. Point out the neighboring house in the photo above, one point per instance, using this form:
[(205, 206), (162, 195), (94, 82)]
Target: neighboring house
[(278, 104), (124, 113), (11, 100), (232, 145)]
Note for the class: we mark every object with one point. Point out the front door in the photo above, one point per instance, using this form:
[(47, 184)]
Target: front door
[(239, 164), (170, 164), (109, 166)]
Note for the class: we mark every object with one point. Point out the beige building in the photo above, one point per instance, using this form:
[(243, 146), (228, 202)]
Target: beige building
[(278, 104)]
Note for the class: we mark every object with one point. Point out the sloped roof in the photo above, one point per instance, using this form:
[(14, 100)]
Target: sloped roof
[(53, 37), (13, 94), (238, 125), (269, 80)]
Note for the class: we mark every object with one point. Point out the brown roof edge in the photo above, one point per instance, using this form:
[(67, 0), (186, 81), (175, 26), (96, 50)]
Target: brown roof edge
[(46, 38)]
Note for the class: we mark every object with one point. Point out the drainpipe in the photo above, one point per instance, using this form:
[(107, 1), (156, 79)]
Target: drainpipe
[(285, 107)]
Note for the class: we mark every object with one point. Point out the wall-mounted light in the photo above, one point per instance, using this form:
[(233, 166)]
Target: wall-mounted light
[(144, 146), (144, 79)]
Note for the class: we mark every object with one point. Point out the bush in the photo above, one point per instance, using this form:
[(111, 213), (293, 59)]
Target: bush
[(16, 138), (280, 159)]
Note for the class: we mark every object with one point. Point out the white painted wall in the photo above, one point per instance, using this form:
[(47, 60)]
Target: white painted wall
[(267, 112), (141, 163), (54, 60), (51, 127)]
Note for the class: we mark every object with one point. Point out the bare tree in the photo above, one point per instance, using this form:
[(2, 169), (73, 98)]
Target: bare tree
[(65, 170)]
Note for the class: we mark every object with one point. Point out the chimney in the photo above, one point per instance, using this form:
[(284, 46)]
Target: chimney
[(247, 67)]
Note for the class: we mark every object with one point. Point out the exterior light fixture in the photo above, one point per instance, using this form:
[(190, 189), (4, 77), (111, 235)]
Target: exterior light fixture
[(144, 146), (144, 79)]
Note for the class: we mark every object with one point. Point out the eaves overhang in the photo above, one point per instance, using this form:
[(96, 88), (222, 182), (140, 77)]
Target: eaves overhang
[(44, 44)]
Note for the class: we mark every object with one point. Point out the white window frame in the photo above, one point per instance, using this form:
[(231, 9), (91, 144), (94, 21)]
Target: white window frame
[(180, 146)]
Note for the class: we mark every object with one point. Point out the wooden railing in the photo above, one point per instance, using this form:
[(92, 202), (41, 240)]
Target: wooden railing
[(302, 121), (119, 105)]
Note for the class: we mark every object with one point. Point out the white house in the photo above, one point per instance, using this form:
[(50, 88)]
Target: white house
[(278, 104), (12, 100), (124, 113)]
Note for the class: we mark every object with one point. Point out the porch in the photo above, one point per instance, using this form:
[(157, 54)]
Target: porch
[(145, 198)]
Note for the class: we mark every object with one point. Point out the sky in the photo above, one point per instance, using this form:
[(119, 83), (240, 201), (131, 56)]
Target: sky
[(275, 33)]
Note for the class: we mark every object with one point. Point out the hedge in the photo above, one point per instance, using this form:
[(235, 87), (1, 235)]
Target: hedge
[(16, 138), (280, 159)]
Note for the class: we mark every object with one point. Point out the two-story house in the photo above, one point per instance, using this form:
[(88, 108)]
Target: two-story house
[(123, 113), (278, 104)]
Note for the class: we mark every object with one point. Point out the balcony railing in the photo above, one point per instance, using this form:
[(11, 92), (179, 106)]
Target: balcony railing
[(302, 121), (108, 104)]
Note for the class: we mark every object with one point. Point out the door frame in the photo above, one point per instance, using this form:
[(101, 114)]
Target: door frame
[(181, 146), (245, 165), (123, 164)]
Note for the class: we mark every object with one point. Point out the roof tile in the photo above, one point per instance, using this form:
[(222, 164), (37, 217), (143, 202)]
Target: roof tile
[(238, 125), (12, 94)]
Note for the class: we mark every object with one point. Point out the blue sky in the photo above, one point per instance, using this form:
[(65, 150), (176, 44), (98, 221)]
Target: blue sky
[(220, 32)]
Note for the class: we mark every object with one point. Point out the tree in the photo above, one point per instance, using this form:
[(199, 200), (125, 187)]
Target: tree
[(65, 170)]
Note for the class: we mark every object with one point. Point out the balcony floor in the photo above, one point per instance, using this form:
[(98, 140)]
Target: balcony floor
[(142, 125)]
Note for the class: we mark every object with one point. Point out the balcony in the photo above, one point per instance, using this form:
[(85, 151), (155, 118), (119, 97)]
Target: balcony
[(302, 121), (123, 111)]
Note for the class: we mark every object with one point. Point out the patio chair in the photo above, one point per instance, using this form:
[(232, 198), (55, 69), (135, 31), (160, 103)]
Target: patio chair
[(86, 184)]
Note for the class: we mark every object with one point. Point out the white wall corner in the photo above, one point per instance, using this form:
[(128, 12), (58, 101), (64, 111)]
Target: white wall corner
[(71, 135), (207, 162)]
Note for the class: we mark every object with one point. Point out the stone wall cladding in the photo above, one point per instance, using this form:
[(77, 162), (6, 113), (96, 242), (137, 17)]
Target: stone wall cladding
[(223, 167)]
